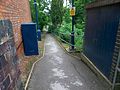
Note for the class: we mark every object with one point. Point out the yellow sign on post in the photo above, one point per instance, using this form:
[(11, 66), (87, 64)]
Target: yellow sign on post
[(72, 11)]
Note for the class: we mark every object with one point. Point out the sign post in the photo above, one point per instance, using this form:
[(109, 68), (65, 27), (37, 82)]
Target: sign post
[(72, 13), (38, 28)]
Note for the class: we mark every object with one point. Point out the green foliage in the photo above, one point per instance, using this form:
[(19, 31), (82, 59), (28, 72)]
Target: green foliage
[(43, 19), (66, 17), (64, 32), (59, 20), (79, 38), (42, 15), (56, 12), (32, 10), (65, 29), (51, 28), (81, 13)]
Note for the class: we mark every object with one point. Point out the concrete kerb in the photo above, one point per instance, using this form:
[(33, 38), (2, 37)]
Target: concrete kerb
[(88, 63), (95, 70), (33, 66)]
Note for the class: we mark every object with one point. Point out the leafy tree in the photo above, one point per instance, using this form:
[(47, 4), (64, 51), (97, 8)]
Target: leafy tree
[(56, 12), (43, 16), (65, 29), (66, 16), (81, 13)]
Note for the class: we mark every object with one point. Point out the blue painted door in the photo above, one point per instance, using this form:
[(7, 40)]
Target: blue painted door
[(100, 35)]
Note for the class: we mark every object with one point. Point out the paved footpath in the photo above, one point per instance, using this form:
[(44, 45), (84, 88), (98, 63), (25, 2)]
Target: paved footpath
[(59, 71)]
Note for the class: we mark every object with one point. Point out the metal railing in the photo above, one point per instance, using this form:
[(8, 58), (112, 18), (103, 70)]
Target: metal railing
[(59, 35)]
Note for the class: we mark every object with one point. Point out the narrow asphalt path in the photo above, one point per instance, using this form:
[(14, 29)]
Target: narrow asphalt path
[(59, 71)]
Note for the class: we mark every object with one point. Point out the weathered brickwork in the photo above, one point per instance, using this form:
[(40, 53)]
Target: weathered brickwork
[(18, 11), (9, 62), (12, 14)]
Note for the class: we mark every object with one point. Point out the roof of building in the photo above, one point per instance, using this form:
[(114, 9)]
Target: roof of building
[(99, 3)]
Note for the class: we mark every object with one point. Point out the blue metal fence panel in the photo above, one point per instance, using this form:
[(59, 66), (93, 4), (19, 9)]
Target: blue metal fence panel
[(100, 35), (29, 37)]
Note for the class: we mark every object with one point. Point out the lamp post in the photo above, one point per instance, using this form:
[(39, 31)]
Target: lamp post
[(36, 14), (72, 34)]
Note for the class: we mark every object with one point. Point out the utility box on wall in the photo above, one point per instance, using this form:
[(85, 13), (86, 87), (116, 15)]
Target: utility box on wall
[(29, 37)]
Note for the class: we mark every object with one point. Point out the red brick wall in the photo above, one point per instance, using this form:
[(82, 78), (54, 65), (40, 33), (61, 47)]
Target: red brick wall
[(18, 11)]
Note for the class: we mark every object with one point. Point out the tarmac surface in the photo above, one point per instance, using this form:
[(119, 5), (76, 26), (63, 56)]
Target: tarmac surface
[(59, 71)]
